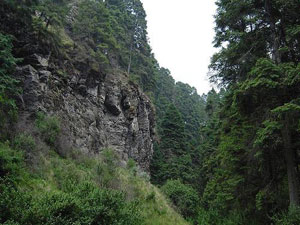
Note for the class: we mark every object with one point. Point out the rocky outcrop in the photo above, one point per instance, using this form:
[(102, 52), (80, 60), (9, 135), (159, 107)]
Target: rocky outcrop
[(97, 111)]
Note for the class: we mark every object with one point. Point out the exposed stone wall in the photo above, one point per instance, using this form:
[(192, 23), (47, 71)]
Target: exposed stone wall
[(97, 111)]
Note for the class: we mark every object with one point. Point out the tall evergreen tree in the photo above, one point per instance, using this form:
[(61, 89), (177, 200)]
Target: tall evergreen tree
[(259, 65), (171, 158)]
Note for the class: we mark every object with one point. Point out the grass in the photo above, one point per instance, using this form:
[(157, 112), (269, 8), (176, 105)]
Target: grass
[(156, 209), (54, 189)]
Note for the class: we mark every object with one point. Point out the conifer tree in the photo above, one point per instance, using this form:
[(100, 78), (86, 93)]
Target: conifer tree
[(258, 63), (171, 158)]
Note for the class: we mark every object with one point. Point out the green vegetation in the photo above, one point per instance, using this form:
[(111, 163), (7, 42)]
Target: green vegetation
[(252, 170), (227, 157), (244, 140), (8, 84), (171, 149), (38, 186), (183, 196), (76, 191), (49, 127), (68, 198)]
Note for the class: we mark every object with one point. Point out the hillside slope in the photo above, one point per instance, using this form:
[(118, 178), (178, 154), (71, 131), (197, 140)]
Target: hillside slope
[(76, 127), (76, 190)]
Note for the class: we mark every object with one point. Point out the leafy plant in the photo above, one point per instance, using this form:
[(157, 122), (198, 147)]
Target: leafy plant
[(10, 162), (24, 142), (8, 85), (184, 197), (291, 217), (49, 126)]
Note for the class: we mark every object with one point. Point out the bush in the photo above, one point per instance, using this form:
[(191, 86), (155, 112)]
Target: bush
[(85, 204), (292, 217), (106, 168), (131, 166), (184, 197), (24, 142), (214, 217), (49, 126), (82, 202), (10, 162)]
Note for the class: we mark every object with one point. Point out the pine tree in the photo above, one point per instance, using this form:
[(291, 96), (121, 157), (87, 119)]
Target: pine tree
[(171, 158), (258, 63)]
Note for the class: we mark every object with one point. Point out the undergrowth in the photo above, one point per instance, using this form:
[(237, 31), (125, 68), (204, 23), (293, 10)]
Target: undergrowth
[(79, 189)]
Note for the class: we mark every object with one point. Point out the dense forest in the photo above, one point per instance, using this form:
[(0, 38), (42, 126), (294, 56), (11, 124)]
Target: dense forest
[(227, 157)]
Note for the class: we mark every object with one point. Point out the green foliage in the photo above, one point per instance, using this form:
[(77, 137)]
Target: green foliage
[(213, 217), (173, 133), (131, 166), (10, 162), (49, 126), (72, 203), (185, 98), (192, 108), (246, 162), (184, 197), (171, 159), (268, 134), (8, 85), (7, 60), (94, 22), (51, 12), (67, 192), (105, 170), (24, 142), (86, 204), (292, 217)]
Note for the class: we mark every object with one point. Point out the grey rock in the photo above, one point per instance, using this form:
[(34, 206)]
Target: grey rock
[(111, 105), (126, 103), (93, 91), (32, 88), (38, 61), (44, 75), (111, 114), (82, 89)]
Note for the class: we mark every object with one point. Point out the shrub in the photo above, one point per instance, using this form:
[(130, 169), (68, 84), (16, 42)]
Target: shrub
[(49, 126), (106, 168), (83, 202), (214, 217), (292, 217), (184, 197), (131, 166), (24, 142), (151, 196), (10, 162)]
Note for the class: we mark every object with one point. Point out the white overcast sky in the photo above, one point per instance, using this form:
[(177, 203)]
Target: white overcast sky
[(181, 35)]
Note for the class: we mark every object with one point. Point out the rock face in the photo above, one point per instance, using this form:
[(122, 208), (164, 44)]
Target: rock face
[(97, 111)]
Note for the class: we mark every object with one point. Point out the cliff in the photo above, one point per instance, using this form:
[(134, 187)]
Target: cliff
[(96, 110), (97, 105)]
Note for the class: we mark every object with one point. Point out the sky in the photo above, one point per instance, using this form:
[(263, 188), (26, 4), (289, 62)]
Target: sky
[(181, 35)]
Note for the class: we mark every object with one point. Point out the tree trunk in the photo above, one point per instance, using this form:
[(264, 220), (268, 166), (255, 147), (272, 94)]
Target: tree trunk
[(130, 58), (131, 46), (275, 39), (290, 159)]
